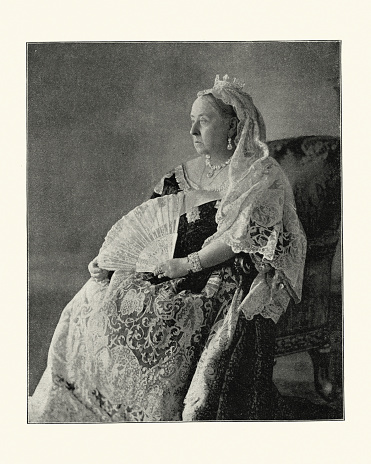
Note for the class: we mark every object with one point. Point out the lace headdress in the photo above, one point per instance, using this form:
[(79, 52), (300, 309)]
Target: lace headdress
[(251, 133), (257, 214)]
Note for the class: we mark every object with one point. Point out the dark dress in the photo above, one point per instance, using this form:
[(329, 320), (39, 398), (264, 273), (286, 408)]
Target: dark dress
[(129, 350), (246, 390)]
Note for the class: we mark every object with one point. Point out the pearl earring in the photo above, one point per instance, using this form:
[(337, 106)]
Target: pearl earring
[(229, 146)]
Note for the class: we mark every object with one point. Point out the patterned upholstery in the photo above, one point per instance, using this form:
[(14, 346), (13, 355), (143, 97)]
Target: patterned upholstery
[(312, 165)]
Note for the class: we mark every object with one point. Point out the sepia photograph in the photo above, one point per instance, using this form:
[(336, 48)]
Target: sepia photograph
[(184, 226)]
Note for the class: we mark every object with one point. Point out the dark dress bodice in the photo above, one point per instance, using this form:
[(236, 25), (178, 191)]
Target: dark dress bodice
[(192, 235)]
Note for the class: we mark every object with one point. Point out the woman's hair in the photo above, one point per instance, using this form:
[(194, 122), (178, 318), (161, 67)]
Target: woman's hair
[(226, 111)]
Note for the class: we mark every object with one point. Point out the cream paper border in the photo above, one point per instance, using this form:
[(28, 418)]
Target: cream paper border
[(304, 442)]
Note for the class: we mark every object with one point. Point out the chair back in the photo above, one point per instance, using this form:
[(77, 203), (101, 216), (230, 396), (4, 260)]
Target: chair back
[(312, 165)]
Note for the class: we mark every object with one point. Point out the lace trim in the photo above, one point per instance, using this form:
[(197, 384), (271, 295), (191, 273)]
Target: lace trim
[(267, 296), (271, 311), (180, 178), (160, 186)]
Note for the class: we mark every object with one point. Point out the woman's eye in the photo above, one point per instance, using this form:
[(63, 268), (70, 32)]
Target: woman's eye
[(199, 121)]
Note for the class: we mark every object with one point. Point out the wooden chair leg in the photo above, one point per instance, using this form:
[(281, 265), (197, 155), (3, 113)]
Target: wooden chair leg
[(322, 378)]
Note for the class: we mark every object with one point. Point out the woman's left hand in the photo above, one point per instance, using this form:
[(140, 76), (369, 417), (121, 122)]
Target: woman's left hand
[(96, 272), (174, 268)]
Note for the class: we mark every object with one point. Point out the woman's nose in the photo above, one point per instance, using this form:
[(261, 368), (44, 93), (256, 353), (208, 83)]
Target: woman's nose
[(194, 129)]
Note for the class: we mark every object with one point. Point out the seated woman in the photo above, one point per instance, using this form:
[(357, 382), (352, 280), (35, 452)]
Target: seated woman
[(193, 340)]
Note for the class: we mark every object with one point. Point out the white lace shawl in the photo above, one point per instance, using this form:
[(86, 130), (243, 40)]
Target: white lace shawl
[(257, 214)]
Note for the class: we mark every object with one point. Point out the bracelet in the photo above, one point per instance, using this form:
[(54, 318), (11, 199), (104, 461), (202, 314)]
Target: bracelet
[(195, 263)]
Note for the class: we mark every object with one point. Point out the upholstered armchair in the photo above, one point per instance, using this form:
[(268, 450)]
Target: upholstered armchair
[(312, 165)]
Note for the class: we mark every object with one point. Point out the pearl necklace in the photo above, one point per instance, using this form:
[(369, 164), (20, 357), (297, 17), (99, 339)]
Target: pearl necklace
[(215, 167)]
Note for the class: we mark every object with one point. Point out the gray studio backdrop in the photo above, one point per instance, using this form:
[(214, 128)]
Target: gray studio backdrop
[(107, 120)]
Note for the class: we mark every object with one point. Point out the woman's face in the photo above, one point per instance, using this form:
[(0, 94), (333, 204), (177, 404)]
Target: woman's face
[(209, 129)]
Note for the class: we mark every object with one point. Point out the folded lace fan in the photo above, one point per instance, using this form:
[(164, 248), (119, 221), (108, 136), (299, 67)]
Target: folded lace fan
[(144, 238)]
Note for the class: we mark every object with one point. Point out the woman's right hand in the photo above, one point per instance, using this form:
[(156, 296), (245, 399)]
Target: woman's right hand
[(96, 272)]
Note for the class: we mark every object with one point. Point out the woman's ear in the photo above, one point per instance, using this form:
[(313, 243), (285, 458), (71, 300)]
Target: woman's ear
[(232, 126)]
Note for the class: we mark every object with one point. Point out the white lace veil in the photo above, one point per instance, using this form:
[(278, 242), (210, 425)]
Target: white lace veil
[(257, 214)]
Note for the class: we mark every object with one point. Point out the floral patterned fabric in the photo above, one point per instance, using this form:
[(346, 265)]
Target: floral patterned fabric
[(133, 349)]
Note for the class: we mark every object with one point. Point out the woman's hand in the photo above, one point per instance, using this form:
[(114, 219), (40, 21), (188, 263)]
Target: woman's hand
[(174, 268), (96, 272)]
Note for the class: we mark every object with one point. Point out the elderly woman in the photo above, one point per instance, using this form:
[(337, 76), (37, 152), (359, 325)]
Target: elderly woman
[(194, 340)]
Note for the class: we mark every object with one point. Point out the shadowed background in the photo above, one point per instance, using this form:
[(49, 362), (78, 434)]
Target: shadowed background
[(107, 120)]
